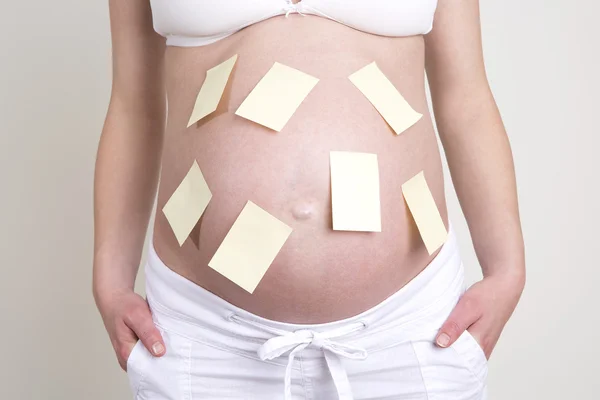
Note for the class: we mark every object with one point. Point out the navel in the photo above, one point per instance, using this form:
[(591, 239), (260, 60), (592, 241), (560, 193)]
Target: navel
[(303, 210)]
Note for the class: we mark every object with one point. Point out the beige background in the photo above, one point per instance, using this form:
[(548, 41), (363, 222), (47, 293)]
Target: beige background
[(542, 61)]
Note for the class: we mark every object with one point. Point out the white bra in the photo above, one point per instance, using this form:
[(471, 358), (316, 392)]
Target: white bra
[(201, 22)]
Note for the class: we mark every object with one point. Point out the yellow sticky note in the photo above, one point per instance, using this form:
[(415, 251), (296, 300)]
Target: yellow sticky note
[(425, 212), (187, 203), (212, 90), (355, 191), (384, 96), (276, 97), (250, 247)]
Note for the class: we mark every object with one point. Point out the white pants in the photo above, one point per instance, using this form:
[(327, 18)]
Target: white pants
[(216, 350)]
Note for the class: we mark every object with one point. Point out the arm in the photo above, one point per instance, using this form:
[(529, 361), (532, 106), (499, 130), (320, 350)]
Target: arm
[(480, 162), (126, 175)]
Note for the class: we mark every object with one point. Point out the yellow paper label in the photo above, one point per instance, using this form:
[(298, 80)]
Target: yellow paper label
[(425, 212), (384, 96), (355, 191), (250, 247), (187, 203), (277, 96), (212, 90)]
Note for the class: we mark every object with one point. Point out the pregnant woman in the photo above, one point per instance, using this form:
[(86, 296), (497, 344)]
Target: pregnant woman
[(339, 314)]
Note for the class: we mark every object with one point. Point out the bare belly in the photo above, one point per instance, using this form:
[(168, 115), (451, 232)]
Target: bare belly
[(320, 274)]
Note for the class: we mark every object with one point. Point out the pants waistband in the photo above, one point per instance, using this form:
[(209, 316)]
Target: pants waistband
[(416, 310), (176, 301)]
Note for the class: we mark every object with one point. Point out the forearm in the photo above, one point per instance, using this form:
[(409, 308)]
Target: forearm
[(126, 176), (481, 165)]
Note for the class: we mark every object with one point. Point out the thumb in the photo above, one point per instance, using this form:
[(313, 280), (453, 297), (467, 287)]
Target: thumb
[(140, 321), (464, 314)]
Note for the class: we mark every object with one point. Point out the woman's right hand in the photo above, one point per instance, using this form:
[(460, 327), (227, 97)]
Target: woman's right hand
[(127, 317)]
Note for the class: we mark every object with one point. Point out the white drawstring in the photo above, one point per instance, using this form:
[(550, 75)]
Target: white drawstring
[(296, 341)]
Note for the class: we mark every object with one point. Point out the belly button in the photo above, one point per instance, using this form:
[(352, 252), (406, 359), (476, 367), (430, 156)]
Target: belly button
[(303, 210)]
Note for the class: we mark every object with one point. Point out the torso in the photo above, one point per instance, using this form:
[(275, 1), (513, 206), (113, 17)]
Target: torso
[(320, 274)]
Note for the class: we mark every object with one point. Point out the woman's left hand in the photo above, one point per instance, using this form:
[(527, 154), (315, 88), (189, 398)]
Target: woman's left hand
[(483, 310)]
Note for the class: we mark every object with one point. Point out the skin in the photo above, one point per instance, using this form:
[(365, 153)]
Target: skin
[(320, 275)]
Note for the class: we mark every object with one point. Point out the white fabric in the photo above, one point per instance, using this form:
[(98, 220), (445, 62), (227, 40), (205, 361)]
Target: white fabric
[(296, 341), (216, 350), (198, 23)]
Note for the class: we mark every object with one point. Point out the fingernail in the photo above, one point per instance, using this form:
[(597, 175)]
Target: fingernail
[(443, 340), (157, 348)]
